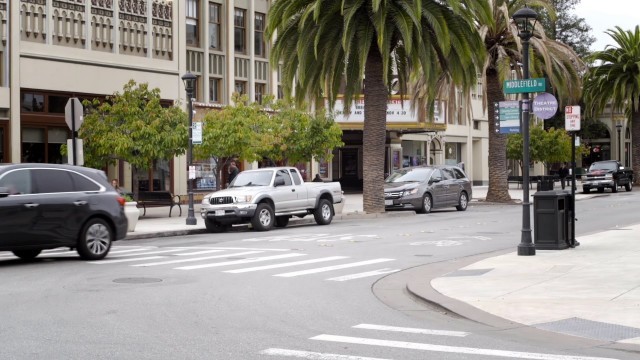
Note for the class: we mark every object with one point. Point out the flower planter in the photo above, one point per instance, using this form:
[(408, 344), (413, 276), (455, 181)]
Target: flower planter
[(132, 213)]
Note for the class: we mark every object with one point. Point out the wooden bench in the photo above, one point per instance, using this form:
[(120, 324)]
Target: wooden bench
[(158, 198)]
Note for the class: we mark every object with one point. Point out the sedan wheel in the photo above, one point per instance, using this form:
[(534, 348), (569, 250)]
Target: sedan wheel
[(462, 202), (95, 240), (263, 218), (427, 204)]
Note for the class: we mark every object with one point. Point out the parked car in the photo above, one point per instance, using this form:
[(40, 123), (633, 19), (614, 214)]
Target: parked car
[(424, 188), (46, 206), (607, 174), (269, 197)]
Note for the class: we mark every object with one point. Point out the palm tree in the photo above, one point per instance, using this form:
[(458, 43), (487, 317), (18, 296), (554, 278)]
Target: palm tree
[(616, 80), (549, 58), (357, 46)]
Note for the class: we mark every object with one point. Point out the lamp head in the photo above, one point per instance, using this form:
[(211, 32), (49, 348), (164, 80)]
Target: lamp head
[(619, 126), (523, 18), (189, 82)]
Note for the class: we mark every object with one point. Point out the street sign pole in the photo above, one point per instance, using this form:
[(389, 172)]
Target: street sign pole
[(73, 135), (572, 239)]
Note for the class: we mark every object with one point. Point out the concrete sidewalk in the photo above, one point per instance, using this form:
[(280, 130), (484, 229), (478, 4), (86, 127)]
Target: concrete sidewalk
[(591, 291)]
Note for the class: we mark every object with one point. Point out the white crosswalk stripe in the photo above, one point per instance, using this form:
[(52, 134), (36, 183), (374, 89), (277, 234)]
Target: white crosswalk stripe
[(236, 262), (331, 268), (115, 261), (406, 345), (294, 263), (198, 258), (363, 274)]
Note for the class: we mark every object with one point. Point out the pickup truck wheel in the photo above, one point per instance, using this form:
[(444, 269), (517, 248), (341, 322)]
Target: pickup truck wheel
[(324, 212), (614, 189), (282, 221), (600, 190), (263, 218), (629, 186), (26, 254), (214, 227), (586, 190), (463, 201)]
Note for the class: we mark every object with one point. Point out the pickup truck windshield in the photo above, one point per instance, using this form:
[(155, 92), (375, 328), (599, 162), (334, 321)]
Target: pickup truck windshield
[(409, 175), (253, 178), (611, 166)]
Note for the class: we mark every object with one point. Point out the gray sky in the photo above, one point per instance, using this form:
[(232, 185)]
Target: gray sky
[(602, 15)]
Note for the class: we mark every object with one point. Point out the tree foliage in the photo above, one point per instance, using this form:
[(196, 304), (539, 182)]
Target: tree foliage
[(568, 27), (133, 126), (274, 130), (545, 146)]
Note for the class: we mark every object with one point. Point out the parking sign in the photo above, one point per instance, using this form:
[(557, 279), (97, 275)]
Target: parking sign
[(572, 118)]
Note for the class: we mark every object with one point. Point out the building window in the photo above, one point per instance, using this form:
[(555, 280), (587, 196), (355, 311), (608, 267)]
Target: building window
[(260, 90), (32, 102), (192, 23), (241, 87), (214, 26), (476, 125), (259, 35), (215, 90), (240, 30)]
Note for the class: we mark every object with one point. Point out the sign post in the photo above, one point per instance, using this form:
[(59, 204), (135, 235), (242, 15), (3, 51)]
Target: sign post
[(572, 124), (73, 116)]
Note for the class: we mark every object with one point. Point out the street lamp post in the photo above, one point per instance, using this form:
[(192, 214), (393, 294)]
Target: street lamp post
[(523, 18), (619, 128), (189, 84)]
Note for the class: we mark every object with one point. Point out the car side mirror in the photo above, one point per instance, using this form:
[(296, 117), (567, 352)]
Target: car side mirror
[(4, 192), (278, 182), (435, 180)]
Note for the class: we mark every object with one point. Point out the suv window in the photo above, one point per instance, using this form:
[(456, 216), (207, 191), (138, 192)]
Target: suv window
[(437, 174), (459, 173), (296, 177), (284, 174), (52, 181), (81, 183), (448, 174), (18, 182)]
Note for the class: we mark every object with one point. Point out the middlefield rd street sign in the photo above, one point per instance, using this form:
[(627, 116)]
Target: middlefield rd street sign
[(524, 86)]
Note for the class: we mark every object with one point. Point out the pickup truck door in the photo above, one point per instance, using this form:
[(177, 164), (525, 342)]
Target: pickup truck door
[(284, 192), (303, 201)]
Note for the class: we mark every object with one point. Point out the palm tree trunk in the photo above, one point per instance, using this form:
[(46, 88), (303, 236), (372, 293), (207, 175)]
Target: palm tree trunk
[(635, 146), (374, 133), (498, 186)]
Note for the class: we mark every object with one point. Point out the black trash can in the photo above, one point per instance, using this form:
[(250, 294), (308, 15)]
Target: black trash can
[(551, 211)]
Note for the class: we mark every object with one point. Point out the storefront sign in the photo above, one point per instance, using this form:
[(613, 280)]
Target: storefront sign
[(397, 111)]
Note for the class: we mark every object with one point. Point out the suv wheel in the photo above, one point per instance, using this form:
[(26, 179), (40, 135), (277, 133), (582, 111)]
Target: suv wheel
[(95, 240), (263, 218), (628, 186), (26, 254)]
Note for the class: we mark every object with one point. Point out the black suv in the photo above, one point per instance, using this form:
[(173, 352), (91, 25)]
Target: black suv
[(45, 206)]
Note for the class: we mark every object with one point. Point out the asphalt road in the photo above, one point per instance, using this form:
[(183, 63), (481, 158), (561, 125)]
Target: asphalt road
[(300, 292)]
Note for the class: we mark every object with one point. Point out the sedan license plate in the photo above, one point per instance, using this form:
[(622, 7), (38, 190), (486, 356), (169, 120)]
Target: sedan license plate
[(219, 212), (388, 202)]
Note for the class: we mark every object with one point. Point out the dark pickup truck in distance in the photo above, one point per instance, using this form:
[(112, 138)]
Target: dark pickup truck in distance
[(607, 174)]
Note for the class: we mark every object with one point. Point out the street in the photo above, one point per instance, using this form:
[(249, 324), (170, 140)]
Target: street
[(307, 291)]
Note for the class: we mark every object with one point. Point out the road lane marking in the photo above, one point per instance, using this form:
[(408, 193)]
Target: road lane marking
[(244, 261), (330, 268), (198, 258), (294, 263), (104, 262), (412, 330), (144, 253), (199, 252), (313, 355), (364, 274), (450, 349)]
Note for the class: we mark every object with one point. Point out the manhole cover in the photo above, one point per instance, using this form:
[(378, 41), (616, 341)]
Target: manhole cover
[(137, 280)]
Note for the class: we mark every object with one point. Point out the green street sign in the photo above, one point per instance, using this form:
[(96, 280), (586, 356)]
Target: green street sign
[(524, 86)]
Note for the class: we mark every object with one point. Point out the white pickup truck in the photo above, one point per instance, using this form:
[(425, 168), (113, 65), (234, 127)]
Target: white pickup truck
[(269, 197)]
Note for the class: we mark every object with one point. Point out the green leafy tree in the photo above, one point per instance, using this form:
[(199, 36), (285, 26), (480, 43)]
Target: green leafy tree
[(616, 82), (568, 27), (234, 131), (545, 146), (133, 126), (327, 47), (301, 136)]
